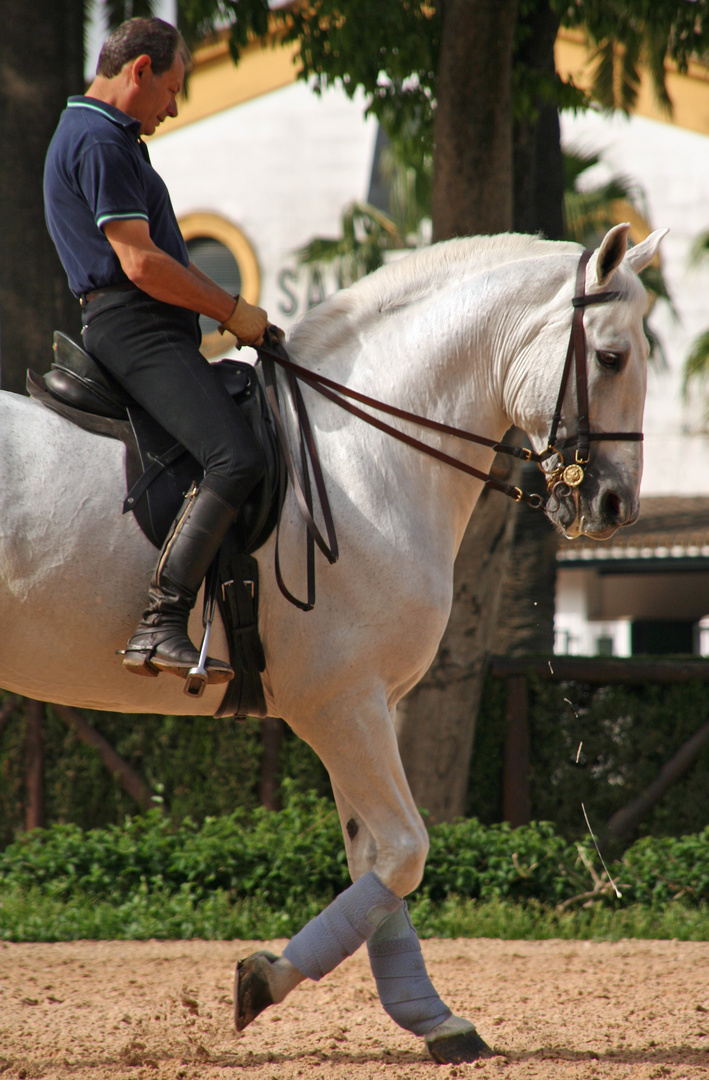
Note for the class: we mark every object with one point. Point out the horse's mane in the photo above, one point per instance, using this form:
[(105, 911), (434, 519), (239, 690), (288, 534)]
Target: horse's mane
[(410, 279)]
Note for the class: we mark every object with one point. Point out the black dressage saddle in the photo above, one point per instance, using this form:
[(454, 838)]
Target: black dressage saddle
[(160, 471)]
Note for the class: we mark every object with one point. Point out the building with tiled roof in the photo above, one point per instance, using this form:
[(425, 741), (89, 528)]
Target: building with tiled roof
[(646, 590)]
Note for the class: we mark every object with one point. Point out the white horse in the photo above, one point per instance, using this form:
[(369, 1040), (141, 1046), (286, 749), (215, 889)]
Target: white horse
[(472, 333)]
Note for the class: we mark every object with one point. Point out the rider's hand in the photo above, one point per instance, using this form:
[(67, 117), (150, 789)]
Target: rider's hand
[(246, 322)]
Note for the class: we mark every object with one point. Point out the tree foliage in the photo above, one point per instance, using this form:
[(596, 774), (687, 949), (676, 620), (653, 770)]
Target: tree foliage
[(387, 49), (390, 49), (626, 33)]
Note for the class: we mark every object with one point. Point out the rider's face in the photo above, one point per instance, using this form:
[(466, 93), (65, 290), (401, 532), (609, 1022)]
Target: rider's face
[(156, 96)]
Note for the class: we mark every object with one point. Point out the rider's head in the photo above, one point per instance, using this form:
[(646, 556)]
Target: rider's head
[(141, 70), (151, 37)]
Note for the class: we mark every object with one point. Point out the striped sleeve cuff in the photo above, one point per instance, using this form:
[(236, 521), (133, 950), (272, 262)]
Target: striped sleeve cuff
[(129, 215)]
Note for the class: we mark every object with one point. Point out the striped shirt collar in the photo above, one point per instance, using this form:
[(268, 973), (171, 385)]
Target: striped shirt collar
[(116, 116)]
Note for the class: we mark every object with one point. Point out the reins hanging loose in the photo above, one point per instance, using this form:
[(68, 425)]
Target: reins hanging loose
[(273, 352)]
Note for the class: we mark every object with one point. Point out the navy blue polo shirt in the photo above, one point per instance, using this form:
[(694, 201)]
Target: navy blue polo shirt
[(97, 170)]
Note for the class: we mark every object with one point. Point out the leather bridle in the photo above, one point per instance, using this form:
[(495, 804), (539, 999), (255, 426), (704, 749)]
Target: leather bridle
[(577, 357), (571, 474)]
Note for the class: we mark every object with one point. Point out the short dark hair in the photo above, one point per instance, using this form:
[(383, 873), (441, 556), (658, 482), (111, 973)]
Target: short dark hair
[(152, 37)]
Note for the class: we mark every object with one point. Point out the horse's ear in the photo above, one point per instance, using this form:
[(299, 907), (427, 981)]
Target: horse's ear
[(642, 254), (611, 253)]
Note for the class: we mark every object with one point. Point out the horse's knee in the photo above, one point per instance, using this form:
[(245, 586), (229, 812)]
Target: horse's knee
[(401, 864)]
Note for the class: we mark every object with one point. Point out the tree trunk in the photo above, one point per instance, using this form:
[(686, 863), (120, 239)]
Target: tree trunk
[(538, 162), (472, 195), (526, 615), (7, 710), (472, 176), (41, 63), (272, 730), (631, 815), (128, 778), (527, 607)]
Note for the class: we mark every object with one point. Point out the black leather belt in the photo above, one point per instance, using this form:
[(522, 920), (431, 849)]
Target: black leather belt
[(123, 286)]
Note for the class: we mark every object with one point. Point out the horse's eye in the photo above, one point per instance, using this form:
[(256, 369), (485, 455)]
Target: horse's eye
[(613, 361)]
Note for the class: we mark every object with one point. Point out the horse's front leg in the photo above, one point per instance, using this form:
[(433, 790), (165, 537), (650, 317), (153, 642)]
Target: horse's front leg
[(386, 845), (404, 987)]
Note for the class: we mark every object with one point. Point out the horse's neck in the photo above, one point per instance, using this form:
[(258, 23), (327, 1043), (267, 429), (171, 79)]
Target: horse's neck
[(427, 359), (431, 361)]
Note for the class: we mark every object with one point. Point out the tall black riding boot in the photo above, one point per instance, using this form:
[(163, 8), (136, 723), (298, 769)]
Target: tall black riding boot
[(161, 642)]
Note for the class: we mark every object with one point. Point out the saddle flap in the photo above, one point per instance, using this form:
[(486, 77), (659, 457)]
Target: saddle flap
[(237, 376)]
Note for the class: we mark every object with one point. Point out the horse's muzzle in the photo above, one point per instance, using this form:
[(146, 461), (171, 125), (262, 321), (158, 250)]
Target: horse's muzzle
[(597, 508)]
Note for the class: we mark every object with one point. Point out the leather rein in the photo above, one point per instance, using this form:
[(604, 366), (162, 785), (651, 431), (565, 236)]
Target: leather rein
[(571, 474)]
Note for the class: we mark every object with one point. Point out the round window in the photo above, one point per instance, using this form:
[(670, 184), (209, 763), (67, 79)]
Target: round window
[(216, 260), (220, 250)]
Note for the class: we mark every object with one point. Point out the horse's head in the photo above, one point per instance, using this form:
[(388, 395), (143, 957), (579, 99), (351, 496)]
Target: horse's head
[(593, 388)]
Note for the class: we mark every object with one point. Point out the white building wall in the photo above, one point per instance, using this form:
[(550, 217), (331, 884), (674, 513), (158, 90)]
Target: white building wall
[(672, 166), (281, 168)]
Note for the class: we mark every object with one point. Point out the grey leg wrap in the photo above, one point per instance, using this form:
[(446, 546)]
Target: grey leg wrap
[(342, 927), (404, 988)]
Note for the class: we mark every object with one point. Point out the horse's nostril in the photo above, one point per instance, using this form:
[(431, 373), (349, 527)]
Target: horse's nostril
[(612, 506)]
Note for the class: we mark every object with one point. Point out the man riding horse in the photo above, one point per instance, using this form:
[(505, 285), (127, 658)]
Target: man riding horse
[(110, 217)]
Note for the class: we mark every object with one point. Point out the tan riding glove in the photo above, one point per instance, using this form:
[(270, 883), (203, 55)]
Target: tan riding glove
[(246, 322)]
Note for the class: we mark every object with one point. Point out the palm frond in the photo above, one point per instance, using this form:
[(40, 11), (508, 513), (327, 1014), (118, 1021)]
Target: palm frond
[(576, 162), (629, 77), (654, 55), (699, 250), (367, 233), (591, 211), (696, 366), (603, 75), (654, 281), (657, 355)]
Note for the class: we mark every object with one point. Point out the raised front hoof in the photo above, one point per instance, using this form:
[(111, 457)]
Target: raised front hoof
[(252, 993), (456, 1049)]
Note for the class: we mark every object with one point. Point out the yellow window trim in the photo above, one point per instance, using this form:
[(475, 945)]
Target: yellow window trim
[(214, 227), (218, 228)]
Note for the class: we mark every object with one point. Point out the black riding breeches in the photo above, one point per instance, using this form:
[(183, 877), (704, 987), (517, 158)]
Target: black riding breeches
[(152, 350)]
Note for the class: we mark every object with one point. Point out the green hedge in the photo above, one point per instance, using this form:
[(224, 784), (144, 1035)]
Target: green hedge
[(297, 856)]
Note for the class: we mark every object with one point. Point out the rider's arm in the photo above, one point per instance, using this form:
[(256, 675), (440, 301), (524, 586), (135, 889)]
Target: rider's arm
[(164, 278)]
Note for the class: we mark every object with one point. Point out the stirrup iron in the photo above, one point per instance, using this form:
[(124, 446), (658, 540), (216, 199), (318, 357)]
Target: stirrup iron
[(198, 676)]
